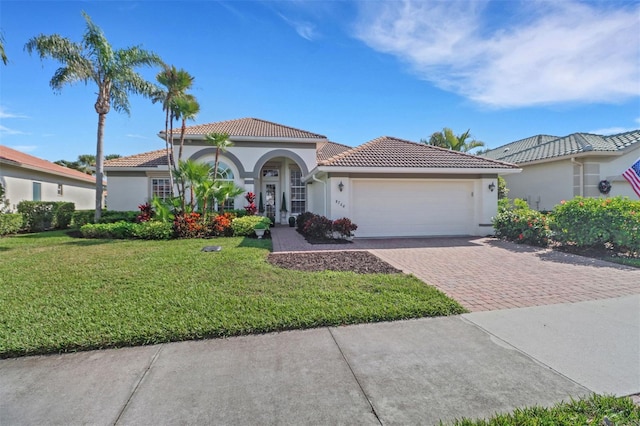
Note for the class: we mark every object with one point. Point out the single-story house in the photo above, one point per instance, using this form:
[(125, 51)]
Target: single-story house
[(560, 168), (387, 186), (28, 178)]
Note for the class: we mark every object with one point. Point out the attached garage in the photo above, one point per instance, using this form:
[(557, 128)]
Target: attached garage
[(390, 187), (404, 208)]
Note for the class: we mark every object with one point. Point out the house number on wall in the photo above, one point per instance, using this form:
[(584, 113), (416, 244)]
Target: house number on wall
[(340, 203)]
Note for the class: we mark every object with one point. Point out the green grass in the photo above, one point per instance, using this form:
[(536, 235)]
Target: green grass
[(629, 261), (585, 411), (61, 294)]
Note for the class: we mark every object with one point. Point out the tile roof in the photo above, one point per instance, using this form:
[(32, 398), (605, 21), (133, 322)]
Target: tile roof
[(250, 127), (387, 151), (325, 150), (146, 159), (9, 155), (544, 147)]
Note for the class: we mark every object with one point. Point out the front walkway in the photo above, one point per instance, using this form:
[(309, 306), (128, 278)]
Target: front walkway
[(487, 274)]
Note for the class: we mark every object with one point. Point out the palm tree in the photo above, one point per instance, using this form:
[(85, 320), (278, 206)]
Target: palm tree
[(176, 83), (195, 176), (3, 55), (447, 139), (221, 142), (225, 191), (186, 108), (94, 59)]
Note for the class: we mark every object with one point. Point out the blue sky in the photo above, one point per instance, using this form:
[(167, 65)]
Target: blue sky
[(350, 70)]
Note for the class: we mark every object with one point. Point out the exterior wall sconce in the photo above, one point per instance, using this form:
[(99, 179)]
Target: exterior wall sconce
[(492, 186), (341, 186)]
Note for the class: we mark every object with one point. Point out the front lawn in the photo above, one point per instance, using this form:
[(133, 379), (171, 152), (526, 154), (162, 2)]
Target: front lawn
[(61, 294)]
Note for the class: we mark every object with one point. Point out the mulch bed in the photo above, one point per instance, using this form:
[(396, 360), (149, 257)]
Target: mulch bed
[(361, 262)]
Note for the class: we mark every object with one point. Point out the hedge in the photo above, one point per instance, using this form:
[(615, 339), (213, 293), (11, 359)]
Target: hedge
[(41, 215), (10, 223)]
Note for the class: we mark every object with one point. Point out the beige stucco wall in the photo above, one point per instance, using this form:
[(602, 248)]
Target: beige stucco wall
[(18, 184), (542, 185), (612, 170), (128, 190)]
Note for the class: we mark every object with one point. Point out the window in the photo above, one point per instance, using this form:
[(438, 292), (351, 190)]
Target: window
[(270, 172), (298, 192), (60, 189), (37, 191), (225, 173), (161, 188)]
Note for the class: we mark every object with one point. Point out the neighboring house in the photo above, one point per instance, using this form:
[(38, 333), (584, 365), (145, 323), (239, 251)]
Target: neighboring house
[(560, 168), (25, 177), (388, 186)]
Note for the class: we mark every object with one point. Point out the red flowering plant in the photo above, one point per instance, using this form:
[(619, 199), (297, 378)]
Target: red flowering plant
[(188, 225), (220, 225), (344, 227), (250, 208), (522, 224), (146, 212)]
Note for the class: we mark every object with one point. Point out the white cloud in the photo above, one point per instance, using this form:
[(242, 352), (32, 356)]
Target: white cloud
[(25, 148), (305, 29), (7, 131), (546, 53), (611, 130), (6, 114), (134, 136)]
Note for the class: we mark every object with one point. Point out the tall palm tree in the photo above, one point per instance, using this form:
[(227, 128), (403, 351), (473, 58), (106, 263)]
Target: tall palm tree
[(186, 108), (176, 82), (221, 142), (447, 139), (95, 60), (3, 55)]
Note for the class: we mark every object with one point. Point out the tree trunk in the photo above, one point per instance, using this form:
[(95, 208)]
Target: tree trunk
[(99, 165), (166, 143)]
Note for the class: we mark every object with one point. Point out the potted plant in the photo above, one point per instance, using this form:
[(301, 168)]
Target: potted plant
[(260, 228), (292, 221)]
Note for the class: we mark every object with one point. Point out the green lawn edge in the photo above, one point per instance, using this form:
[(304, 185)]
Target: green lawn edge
[(60, 294)]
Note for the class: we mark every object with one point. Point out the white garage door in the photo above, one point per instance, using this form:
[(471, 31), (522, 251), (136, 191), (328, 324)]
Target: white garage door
[(390, 208)]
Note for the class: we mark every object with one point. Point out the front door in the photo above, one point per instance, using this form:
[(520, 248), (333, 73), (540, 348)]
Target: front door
[(270, 191)]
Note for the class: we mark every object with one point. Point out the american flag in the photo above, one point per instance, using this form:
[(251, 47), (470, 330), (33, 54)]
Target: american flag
[(632, 174)]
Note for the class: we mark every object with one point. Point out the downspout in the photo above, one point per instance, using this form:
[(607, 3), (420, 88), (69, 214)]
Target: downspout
[(325, 192), (573, 160)]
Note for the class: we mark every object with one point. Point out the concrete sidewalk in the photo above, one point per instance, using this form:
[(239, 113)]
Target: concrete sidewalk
[(406, 372)]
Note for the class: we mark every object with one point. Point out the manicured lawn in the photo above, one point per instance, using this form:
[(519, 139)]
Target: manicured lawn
[(587, 411), (62, 294)]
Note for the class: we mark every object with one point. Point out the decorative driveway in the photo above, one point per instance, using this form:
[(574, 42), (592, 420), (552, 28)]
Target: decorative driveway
[(488, 274)]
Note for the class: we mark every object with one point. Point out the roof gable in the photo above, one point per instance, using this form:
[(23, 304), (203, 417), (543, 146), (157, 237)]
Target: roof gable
[(539, 148), (145, 159), (250, 127), (387, 151), (17, 158)]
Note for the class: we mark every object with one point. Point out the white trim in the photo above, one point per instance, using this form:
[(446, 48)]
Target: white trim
[(409, 170)]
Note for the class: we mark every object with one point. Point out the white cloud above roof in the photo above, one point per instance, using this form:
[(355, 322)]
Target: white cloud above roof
[(540, 53)]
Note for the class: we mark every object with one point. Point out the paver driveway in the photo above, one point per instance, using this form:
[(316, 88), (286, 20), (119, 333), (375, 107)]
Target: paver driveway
[(488, 274)]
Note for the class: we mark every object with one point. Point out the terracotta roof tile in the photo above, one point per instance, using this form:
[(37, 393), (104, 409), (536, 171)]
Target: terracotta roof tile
[(250, 127), (388, 151), (551, 147), (146, 159), (326, 150), (18, 158)]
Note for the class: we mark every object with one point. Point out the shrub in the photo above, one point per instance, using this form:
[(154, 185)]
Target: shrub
[(10, 223), (302, 219), (522, 224), (125, 230), (152, 230), (37, 215), (189, 225), (344, 227), (82, 217), (115, 230), (243, 226), (112, 216), (318, 227), (146, 212), (62, 214), (589, 222), (250, 208), (220, 225)]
